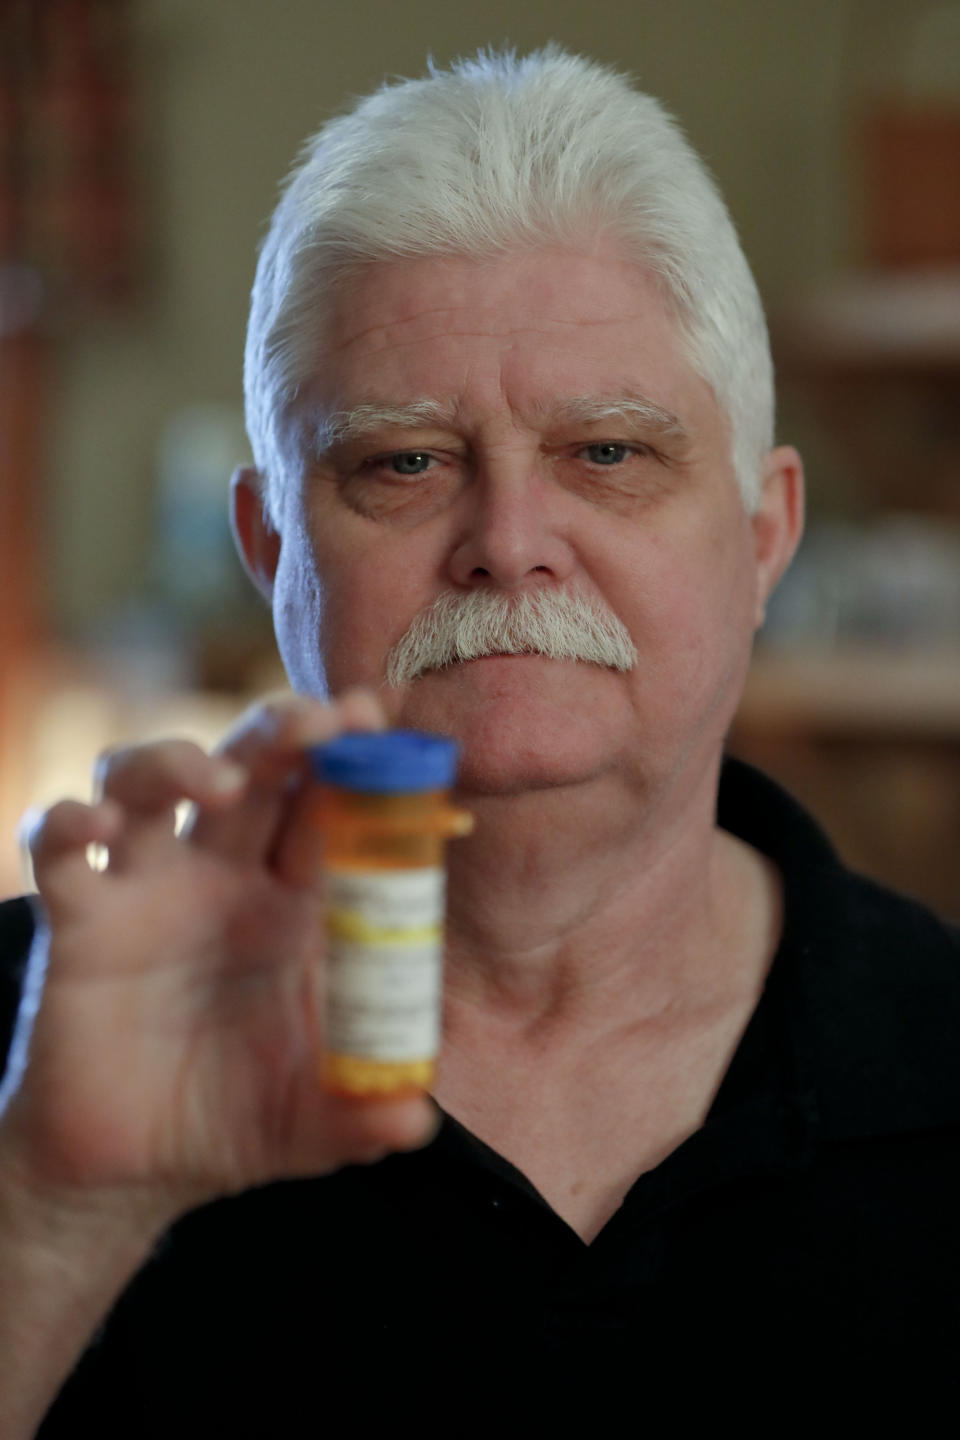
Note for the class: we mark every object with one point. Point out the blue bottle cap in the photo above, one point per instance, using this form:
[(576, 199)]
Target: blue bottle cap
[(380, 762)]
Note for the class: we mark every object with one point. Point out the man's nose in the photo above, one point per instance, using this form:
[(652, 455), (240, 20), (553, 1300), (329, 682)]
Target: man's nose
[(513, 531)]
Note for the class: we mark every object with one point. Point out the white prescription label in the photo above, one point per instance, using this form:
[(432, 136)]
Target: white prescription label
[(384, 962)]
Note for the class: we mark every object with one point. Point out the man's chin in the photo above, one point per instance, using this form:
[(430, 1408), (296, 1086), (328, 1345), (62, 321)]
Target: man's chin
[(516, 736)]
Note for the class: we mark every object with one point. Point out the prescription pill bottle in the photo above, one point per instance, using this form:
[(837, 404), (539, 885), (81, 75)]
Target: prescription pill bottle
[(381, 803)]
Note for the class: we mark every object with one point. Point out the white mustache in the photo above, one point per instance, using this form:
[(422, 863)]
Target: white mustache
[(487, 622)]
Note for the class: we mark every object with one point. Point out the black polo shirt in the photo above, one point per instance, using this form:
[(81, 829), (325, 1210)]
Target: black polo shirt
[(802, 1244)]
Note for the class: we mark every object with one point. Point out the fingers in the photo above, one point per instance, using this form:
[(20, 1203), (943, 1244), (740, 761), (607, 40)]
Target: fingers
[(365, 1131), (58, 839), (147, 782), (240, 794), (151, 779), (276, 729), (269, 742)]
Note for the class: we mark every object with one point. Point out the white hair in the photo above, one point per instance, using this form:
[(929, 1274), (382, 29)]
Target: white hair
[(465, 625), (496, 154)]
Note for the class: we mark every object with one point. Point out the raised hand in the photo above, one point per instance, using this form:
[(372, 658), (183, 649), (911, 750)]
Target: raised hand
[(175, 1049)]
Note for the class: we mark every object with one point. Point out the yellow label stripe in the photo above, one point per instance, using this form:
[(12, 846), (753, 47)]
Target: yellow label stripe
[(348, 925)]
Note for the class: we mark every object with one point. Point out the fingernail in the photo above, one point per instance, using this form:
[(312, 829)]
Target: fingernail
[(228, 777), (360, 696)]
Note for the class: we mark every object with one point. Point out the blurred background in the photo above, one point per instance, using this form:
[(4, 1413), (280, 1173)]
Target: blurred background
[(142, 143)]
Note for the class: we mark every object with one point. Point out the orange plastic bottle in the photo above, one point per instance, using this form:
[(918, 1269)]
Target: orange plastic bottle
[(382, 805)]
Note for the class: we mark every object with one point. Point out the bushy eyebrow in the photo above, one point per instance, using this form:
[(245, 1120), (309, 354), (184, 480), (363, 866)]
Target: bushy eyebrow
[(344, 426), (363, 420), (595, 409)]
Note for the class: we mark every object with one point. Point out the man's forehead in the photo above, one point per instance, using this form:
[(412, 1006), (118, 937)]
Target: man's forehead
[(575, 338), (594, 301)]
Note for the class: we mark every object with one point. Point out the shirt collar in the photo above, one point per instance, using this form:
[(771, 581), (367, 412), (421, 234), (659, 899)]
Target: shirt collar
[(869, 979)]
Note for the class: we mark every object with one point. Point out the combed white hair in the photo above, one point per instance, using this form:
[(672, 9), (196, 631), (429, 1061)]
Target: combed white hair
[(495, 154), (465, 625)]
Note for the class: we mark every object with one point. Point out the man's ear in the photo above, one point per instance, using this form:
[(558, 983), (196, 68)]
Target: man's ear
[(257, 542), (777, 521)]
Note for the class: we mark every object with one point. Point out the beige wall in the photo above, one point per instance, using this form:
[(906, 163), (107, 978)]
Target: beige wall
[(231, 87)]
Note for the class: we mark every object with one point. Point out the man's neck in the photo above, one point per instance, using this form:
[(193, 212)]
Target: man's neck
[(573, 912)]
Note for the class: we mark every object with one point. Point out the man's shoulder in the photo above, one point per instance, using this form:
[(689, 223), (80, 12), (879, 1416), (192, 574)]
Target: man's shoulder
[(16, 923), (879, 977), (891, 921), (870, 977), (825, 899), (16, 934), (888, 955)]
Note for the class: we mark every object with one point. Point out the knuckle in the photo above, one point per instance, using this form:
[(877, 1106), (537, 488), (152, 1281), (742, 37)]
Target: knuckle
[(39, 830), (107, 759), (179, 756), (111, 768), (275, 722), (283, 714), (144, 772)]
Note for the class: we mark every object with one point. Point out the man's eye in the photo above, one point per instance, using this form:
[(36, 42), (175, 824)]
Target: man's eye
[(606, 452), (409, 462)]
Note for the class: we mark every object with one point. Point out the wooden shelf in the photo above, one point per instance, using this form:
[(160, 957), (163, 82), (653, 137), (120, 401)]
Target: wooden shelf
[(869, 741), (875, 321), (854, 691)]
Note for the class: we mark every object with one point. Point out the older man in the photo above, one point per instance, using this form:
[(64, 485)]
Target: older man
[(509, 394)]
